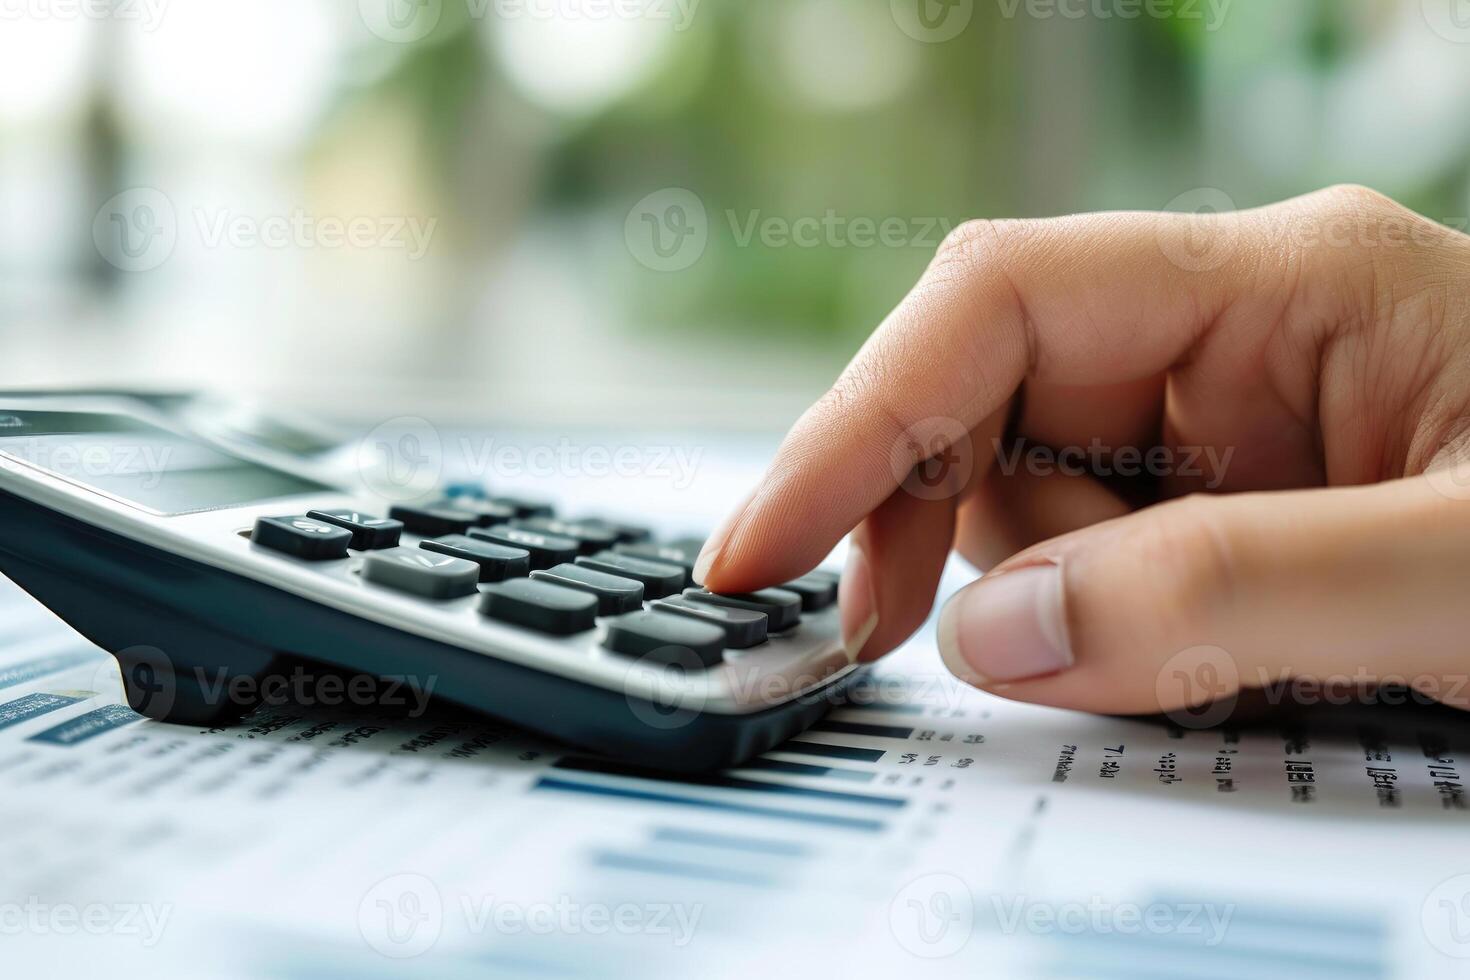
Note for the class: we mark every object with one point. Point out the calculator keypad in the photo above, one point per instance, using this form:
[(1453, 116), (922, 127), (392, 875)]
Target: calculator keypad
[(539, 572)]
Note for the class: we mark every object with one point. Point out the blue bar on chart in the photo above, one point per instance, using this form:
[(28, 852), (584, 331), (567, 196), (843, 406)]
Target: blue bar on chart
[(807, 769), (551, 783), (32, 706), (89, 725)]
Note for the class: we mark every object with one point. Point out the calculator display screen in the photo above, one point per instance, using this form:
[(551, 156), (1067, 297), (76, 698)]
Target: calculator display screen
[(140, 463)]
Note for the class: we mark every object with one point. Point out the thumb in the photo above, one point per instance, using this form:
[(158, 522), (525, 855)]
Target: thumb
[(1187, 602)]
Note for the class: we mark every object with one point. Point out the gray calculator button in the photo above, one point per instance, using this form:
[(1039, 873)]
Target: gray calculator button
[(666, 638), (546, 549), (497, 561), (659, 579), (590, 540), (661, 553), (368, 532), (782, 608), (743, 628), (615, 594), (422, 573), (539, 605), (817, 591), (434, 520)]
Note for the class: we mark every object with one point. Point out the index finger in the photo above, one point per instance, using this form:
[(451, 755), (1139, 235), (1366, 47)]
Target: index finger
[(1081, 300)]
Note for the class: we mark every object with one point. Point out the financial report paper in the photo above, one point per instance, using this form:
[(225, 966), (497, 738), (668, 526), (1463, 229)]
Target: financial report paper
[(927, 830)]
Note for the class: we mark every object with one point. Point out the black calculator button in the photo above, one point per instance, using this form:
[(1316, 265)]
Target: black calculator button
[(659, 579), (524, 507), (545, 549), (615, 594), (485, 512), (434, 520), (782, 608), (368, 532), (497, 561), (590, 540), (689, 546), (421, 572), (539, 605), (304, 537), (665, 638), (817, 591), (742, 627), (661, 553), (625, 533)]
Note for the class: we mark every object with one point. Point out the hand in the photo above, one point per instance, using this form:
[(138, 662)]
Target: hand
[(1307, 363)]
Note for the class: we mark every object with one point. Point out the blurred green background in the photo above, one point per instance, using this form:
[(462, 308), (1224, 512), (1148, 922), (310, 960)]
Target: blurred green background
[(533, 142)]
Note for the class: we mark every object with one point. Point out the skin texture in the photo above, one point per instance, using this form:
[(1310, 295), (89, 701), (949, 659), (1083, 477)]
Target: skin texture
[(1319, 347)]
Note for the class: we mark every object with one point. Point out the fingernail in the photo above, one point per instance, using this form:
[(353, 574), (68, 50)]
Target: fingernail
[(858, 602), (1010, 628), (716, 542)]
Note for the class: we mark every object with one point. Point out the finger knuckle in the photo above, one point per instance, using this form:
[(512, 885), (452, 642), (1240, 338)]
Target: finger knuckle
[(1358, 200), (980, 242)]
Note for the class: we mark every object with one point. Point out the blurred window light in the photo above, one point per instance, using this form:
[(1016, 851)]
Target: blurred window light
[(44, 65), (578, 56), (257, 75), (840, 55)]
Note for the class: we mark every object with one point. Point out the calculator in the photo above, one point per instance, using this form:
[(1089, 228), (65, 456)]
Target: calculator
[(215, 575)]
